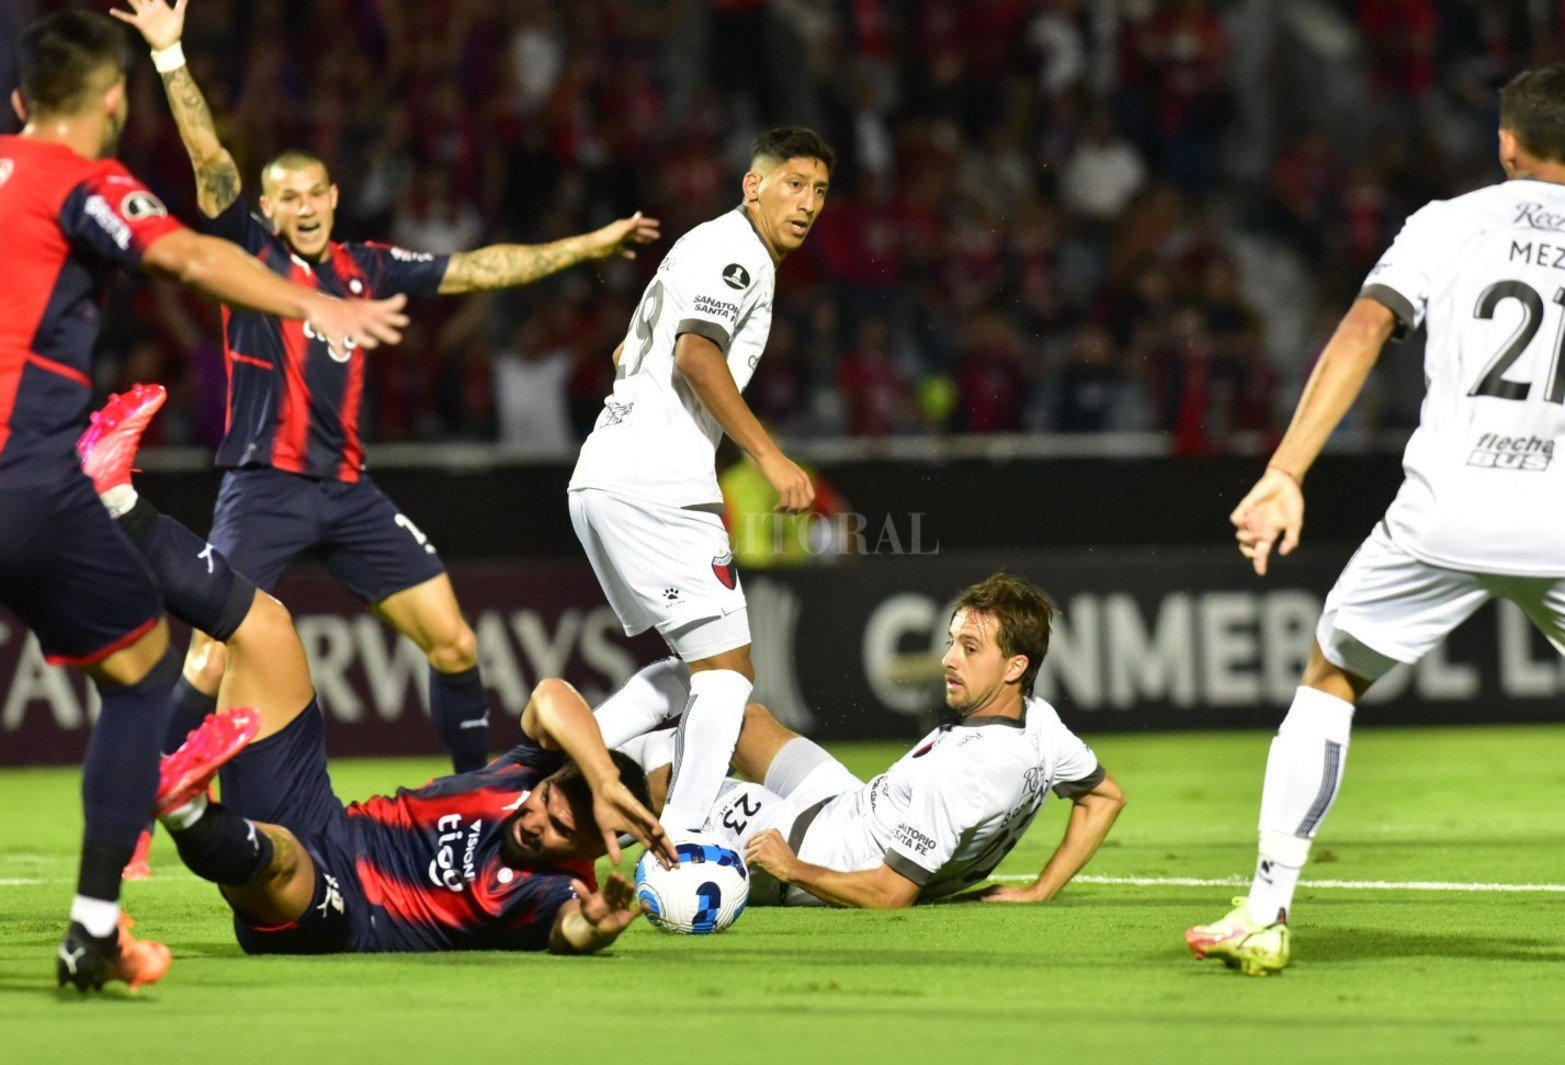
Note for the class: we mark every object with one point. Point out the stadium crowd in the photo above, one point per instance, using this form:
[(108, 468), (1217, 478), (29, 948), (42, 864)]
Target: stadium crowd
[(1050, 215)]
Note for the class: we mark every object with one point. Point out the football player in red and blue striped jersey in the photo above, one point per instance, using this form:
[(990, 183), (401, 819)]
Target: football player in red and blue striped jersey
[(71, 215), (292, 449)]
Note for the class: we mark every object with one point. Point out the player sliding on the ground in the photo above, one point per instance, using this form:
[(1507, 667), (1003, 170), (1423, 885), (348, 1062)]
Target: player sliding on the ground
[(945, 814), (1480, 513), (70, 214), (644, 497), (500, 858), (293, 457)]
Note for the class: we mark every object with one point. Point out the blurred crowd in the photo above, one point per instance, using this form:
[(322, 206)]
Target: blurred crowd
[(1048, 215)]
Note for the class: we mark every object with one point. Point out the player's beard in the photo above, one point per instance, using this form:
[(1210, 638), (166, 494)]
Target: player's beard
[(513, 853), (111, 136)]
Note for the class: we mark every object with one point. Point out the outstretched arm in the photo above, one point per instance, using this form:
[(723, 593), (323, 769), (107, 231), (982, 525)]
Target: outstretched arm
[(223, 272), (1275, 506), (1092, 815), (217, 176), (881, 888), (511, 265)]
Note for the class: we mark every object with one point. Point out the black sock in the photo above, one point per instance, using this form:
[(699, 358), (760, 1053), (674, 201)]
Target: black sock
[(189, 707), (199, 586), (120, 775), (461, 712), (223, 847)]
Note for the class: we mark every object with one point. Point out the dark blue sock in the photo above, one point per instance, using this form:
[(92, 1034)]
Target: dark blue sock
[(223, 847), (189, 706), (461, 712), (200, 588), (120, 775)]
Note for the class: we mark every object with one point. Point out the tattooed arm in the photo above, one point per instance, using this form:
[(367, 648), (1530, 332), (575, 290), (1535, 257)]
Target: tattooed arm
[(511, 265), (217, 177)]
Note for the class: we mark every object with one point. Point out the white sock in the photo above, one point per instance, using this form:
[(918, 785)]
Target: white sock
[(99, 917), (119, 499), (182, 817), (652, 751), (654, 695), (1303, 774), (704, 745)]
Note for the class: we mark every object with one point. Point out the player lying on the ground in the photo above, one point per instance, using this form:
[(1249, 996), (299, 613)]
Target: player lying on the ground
[(500, 858), (945, 814), (294, 481), (1480, 511)]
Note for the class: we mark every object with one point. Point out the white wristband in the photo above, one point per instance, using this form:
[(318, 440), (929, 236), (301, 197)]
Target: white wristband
[(167, 59)]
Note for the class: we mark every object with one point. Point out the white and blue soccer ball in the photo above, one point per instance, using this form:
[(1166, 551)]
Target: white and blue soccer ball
[(703, 894)]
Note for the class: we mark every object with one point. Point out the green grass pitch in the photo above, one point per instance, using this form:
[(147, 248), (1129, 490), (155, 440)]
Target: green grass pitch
[(1381, 973)]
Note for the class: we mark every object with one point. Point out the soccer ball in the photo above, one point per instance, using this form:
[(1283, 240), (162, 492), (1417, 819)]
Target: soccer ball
[(705, 893)]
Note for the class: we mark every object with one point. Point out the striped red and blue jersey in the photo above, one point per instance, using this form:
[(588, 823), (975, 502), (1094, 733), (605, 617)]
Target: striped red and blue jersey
[(431, 866), (68, 223), (292, 404)]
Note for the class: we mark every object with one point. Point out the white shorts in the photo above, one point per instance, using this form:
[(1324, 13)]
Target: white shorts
[(1388, 607), (666, 568)]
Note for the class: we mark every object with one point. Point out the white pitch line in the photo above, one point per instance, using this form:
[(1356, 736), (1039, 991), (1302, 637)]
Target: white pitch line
[(1161, 881), (1357, 885)]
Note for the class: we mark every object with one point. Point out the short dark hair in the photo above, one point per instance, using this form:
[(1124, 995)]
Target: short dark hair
[(577, 792), (793, 142), (1024, 613), (59, 55), (295, 159), (1532, 106)]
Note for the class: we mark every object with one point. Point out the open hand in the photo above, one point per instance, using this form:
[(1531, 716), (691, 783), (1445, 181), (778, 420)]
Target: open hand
[(612, 909), (620, 238), (345, 324), (616, 810), (160, 24)]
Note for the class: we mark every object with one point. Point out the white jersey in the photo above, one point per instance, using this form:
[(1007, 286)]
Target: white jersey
[(655, 440), (947, 812), (1486, 271)]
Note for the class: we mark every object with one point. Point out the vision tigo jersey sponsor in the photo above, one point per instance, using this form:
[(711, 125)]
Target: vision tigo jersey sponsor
[(1485, 490), (68, 222), (655, 440), (292, 404), (430, 862)]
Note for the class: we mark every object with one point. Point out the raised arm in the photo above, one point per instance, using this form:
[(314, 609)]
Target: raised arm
[(1275, 506), (706, 369), (217, 177), (559, 719), (511, 265), (880, 888), (1092, 815)]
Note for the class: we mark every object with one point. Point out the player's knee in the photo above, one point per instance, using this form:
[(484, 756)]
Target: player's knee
[(267, 621), (458, 653), (205, 662), (758, 717)]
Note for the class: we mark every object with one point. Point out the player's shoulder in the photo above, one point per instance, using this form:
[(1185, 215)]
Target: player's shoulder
[(55, 168), (378, 248), (727, 239)]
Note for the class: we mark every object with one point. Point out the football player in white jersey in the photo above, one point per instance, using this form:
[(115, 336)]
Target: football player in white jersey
[(945, 814), (644, 497), (1481, 507)]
